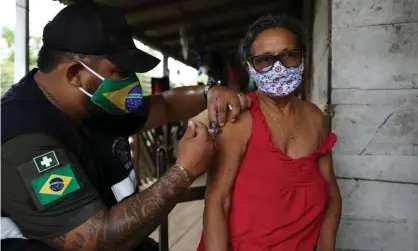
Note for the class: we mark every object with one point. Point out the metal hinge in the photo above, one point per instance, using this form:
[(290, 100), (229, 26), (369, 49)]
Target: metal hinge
[(327, 109), (330, 110)]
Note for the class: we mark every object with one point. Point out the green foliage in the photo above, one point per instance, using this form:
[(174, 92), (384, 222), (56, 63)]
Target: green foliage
[(7, 58)]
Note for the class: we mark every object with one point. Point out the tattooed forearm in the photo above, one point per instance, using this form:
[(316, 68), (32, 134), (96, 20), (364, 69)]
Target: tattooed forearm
[(57, 242), (125, 225)]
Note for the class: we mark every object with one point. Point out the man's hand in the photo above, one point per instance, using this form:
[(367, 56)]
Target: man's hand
[(220, 97), (196, 149)]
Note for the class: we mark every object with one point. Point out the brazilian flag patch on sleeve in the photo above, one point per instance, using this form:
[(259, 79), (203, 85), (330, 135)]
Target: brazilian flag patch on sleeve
[(55, 185)]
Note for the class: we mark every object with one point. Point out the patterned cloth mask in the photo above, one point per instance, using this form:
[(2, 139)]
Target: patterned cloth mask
[(280, 81)]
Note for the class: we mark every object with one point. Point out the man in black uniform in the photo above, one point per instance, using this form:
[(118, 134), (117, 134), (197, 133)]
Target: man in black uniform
[(53, 173)]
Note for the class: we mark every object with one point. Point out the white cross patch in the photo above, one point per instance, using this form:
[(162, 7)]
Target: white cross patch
[(46, 161)]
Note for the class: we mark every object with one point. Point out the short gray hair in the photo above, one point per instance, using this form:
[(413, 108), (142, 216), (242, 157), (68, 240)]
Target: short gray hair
[(269, 22)]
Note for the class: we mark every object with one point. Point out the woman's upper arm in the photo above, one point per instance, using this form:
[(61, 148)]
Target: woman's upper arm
[(202, 117), (230, 145)]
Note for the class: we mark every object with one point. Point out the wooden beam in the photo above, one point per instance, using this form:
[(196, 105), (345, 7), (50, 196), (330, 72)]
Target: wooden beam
[(234, 30), (156, 43), (131, 12), (238, 21), (213, 36), (224, 44), (231, 50), (241, 21), (210, 40), (225, 8), (215, 45), (232, 57), (150, 25), (226, 39)]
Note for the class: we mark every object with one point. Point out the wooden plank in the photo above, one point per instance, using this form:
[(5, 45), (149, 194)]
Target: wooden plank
[(373, 12), (365, 235), (392, 148), (361, 129), (355, 126), (320, 32), (388, 168), (386, 57), (319, 91), (379, 201), (375, 97)]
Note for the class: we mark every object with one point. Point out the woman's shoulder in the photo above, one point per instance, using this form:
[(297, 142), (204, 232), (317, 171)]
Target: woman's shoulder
[(316, 116), (313, 110), (243, 120), (238, 131), (202, 117)]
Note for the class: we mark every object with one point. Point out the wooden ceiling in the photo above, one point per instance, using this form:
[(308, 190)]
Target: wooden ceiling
[(211, 25)]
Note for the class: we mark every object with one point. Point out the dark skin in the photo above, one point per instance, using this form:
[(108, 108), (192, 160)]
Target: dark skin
[(173, 105), (126, 224), (303, 130)]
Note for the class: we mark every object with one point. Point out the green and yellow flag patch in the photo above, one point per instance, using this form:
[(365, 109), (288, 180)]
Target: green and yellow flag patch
[(55, 185)]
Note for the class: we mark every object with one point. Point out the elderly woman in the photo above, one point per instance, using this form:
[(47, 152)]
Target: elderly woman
[(273, 186)]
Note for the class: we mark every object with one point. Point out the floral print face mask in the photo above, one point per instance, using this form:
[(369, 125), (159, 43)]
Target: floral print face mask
[(280, 81)]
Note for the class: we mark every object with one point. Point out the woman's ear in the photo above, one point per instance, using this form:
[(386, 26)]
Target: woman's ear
[(73, 73), (245, 65)]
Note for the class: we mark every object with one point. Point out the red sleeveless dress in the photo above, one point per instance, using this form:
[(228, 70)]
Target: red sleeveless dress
[(277, 203)]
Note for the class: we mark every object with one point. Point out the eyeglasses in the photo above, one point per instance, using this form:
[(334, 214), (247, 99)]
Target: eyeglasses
[(289, 58)]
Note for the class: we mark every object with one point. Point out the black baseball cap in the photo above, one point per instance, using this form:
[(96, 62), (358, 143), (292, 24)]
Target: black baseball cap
[(95, 29)]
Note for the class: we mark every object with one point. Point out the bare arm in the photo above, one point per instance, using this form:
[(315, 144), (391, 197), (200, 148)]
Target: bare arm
[(114, 228), (79, 220), (186, 102), (174, 105), (231, 146), (326, 241), (329, 227), (202, 117)]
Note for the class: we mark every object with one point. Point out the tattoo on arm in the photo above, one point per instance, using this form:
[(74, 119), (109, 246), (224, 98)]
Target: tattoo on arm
[(126, 224), (57, 242)]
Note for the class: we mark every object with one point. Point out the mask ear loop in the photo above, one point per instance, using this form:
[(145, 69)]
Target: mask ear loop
[(95, 73), (85, 92), (91, 70)]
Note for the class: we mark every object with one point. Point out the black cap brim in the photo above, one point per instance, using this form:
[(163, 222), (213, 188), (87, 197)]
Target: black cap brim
[(133, 60)]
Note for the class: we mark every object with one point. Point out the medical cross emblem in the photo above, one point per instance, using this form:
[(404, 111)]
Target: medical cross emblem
[(46, 161)]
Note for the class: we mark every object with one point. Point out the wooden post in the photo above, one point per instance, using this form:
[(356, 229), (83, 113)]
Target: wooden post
[(21, 43)]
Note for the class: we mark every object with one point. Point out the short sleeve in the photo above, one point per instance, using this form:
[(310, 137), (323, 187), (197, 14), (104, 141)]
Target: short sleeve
[(327, 144), (127, 124), (45, 191)]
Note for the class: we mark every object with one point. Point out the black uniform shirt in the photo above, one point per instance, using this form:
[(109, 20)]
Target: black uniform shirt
[(53, 172)]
